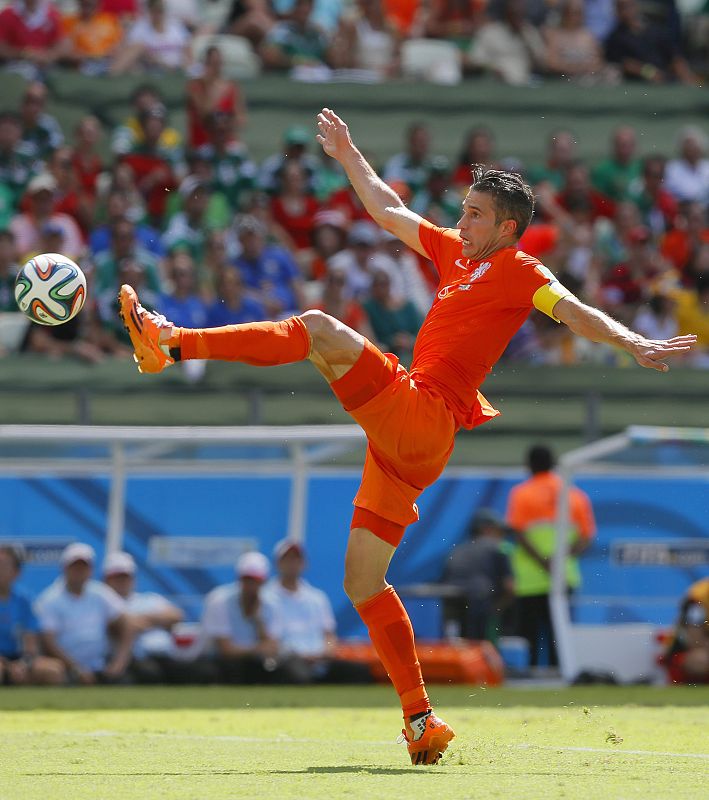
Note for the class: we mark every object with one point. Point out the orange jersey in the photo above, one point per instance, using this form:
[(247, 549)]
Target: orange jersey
[(535, 501), (478, 308)]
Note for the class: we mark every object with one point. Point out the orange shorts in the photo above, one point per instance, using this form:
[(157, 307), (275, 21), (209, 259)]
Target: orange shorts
[(410, 435)]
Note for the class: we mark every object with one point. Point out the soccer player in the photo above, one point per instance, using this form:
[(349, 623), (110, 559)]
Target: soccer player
[(487, 288)]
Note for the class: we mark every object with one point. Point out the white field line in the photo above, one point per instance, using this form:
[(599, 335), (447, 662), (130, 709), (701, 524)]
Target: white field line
[(293, 740)]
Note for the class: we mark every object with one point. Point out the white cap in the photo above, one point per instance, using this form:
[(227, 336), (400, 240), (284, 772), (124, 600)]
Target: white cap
[(77, 551), (118, 564), (285, 546), (45, 181), (253, 565)]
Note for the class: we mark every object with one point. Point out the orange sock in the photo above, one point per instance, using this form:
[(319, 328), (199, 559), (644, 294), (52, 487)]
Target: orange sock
[(393, 638), (262, 344)]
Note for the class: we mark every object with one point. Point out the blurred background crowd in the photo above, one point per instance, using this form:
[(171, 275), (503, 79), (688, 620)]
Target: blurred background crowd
[(209, 236)]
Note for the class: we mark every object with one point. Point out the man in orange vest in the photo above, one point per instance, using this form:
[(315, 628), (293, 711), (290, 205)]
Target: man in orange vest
[(531, 511)]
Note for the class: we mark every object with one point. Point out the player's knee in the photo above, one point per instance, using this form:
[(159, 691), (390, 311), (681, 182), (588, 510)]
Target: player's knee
[(330, 335), (359, 585)]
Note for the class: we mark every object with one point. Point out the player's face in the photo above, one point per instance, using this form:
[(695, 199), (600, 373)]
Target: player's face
[(478, 228)]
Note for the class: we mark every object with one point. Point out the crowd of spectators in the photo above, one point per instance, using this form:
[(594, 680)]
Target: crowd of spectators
[(210, 237), (84, 630), (519, 41)]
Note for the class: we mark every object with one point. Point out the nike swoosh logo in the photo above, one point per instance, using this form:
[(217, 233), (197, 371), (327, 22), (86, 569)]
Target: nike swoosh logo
[(461, 264)]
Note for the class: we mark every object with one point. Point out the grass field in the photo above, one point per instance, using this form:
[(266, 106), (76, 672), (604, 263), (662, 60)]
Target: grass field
[(312, 743)]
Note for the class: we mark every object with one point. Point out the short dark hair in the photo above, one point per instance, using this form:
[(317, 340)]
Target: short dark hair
[(540, 459), (15, 552), (512, 197)]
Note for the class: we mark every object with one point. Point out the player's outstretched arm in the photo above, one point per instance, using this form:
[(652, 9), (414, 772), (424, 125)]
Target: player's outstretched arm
[(383, 204), (599, 327)]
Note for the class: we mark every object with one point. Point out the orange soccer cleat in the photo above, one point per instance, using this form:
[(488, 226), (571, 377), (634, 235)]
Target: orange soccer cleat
[(144, 328), (427, 738)]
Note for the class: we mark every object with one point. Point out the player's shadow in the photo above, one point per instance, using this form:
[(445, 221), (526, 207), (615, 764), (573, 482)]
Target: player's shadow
[(354, 769)]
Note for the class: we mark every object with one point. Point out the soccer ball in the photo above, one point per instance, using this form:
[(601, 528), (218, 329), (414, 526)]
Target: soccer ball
[(50, 289)]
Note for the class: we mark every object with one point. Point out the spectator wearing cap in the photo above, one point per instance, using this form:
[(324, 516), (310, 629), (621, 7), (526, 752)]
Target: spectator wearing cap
[(240, 627), (395, 320), (31, 33), (268, 270), (296, 42), (27, 226), (437, 201), (480, 569), (83, 622), (157, 41), (152, 618), (209, 93), (233, 305), (687, 176), (412, 166), (20, 659), (361, 258), (306, 623), (41, 133), (293, 207), (16, 166), (295, 148)]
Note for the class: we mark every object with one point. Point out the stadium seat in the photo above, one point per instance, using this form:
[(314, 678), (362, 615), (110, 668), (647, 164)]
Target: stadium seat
[(432, 60), (240, 61)]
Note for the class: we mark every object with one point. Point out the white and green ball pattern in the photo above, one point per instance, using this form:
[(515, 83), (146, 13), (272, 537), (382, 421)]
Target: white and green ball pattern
[(50, 289)]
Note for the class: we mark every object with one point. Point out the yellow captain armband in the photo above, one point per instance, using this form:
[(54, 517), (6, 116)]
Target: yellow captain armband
[(547, 296)]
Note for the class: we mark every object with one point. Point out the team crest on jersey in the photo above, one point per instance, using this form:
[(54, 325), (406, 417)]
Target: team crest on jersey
[(481, 270)]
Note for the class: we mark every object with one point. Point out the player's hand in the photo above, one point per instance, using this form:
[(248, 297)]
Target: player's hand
[(334, 135), (652, 353)]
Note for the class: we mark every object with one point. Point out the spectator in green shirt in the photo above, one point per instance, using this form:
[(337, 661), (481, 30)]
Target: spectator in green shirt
[(613, 176), (395, 321)]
